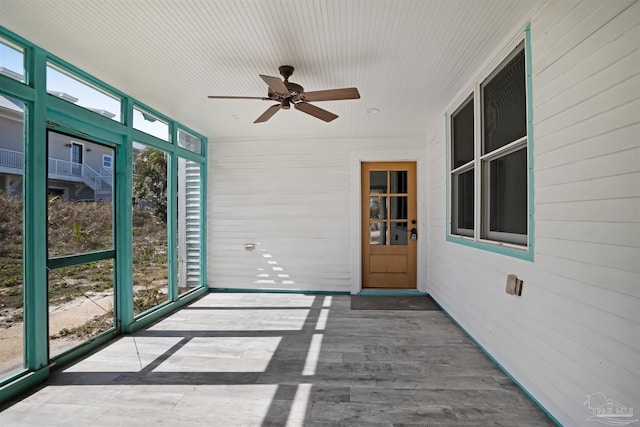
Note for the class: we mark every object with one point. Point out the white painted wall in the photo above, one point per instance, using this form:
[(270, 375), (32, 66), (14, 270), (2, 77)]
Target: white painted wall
[(576, 328), (298, 201)]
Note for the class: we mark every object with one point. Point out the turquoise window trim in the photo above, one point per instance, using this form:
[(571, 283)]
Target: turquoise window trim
[(45, 112), (23, 382), (83, 120), (123, 220), (69, 126), (68, 261), (190, 155), (35, 220), (172, 225), (203, 216), (13, 377), (530, 131), (15, 89), (526, 253), (151, 141)]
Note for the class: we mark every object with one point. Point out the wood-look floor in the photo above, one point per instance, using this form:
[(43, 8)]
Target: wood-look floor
[(283, 359)]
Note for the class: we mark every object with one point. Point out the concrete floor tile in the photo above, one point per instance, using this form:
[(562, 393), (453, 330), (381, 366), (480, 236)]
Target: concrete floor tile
[(266, 359)]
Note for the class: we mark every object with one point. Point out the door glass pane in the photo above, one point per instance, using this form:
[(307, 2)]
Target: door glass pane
[(80, 212), (377, 182), (81, 301), (508, 193), (11, 237), (189, 223), (399, 233), (150, 277), (378, 233), (378, 207), (398, 182), (399, 207)]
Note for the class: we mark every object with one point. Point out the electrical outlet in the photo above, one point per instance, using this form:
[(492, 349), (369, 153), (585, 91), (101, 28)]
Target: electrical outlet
[(519, 284), (514, 285)]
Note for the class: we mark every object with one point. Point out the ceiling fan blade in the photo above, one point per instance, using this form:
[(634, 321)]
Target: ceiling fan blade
[(275, 84), (316, 111), (332, 94), (268, 114), (239, 97)]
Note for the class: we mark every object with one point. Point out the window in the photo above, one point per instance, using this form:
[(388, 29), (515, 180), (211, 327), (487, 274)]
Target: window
[(76, 231), (150, 239), (488, 162), (11, 60), (77, 265), (463, 169), (188, 141), (189, 223), (73, 89), (76, 153), (504, 152), (12, 197), (106, 161), (150, 124)]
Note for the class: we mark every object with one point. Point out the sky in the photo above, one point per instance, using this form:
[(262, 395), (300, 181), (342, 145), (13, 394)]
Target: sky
[(87, 96)]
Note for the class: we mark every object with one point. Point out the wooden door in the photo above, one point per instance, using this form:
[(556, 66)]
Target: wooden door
[(389, 225)]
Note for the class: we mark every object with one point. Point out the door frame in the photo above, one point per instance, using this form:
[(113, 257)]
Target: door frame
[(356, 160)]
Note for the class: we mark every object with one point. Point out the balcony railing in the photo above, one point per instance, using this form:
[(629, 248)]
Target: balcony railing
[(62, 169), (11, 159)]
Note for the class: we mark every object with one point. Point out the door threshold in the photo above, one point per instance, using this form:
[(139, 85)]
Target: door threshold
[(391, 292)]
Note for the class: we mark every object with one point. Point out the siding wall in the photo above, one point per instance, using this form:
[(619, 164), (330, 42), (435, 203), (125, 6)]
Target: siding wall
[(294, 200), (576, 328)]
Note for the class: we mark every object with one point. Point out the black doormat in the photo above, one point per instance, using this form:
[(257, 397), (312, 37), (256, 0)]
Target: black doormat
[(372, 302)]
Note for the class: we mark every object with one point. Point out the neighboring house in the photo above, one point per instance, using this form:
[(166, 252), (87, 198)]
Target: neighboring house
[(11, 156), (77, 170)]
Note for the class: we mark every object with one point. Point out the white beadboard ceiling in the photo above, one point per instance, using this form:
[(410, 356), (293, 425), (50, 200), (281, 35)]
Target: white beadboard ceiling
[(408, 59)]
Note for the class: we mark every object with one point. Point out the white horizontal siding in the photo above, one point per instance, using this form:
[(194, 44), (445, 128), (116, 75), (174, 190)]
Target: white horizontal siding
[(292, 199), (576, 328)]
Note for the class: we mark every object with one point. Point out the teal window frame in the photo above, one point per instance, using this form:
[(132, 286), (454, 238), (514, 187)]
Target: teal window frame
[(524, 252), (44, 112)]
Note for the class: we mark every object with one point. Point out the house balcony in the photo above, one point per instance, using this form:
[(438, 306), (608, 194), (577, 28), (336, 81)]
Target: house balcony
[(11, 162)]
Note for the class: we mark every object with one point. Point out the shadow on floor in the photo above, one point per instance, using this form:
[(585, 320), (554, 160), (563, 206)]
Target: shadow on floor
[(284, 359)]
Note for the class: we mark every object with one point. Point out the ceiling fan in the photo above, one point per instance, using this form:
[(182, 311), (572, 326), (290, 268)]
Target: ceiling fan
[(287, 93)]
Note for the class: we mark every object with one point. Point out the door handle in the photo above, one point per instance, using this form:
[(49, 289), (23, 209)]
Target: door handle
[(414, 234)]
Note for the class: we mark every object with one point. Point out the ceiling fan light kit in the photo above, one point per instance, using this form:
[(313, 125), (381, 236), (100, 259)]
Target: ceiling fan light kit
[(287, 93)]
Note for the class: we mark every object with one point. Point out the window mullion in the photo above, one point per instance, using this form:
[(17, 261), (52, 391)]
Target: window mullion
[(463, 168), (507, 149), (477, 152)]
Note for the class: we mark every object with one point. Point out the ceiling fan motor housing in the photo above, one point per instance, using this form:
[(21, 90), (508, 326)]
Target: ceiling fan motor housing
[(286, 71), (294, 92)]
